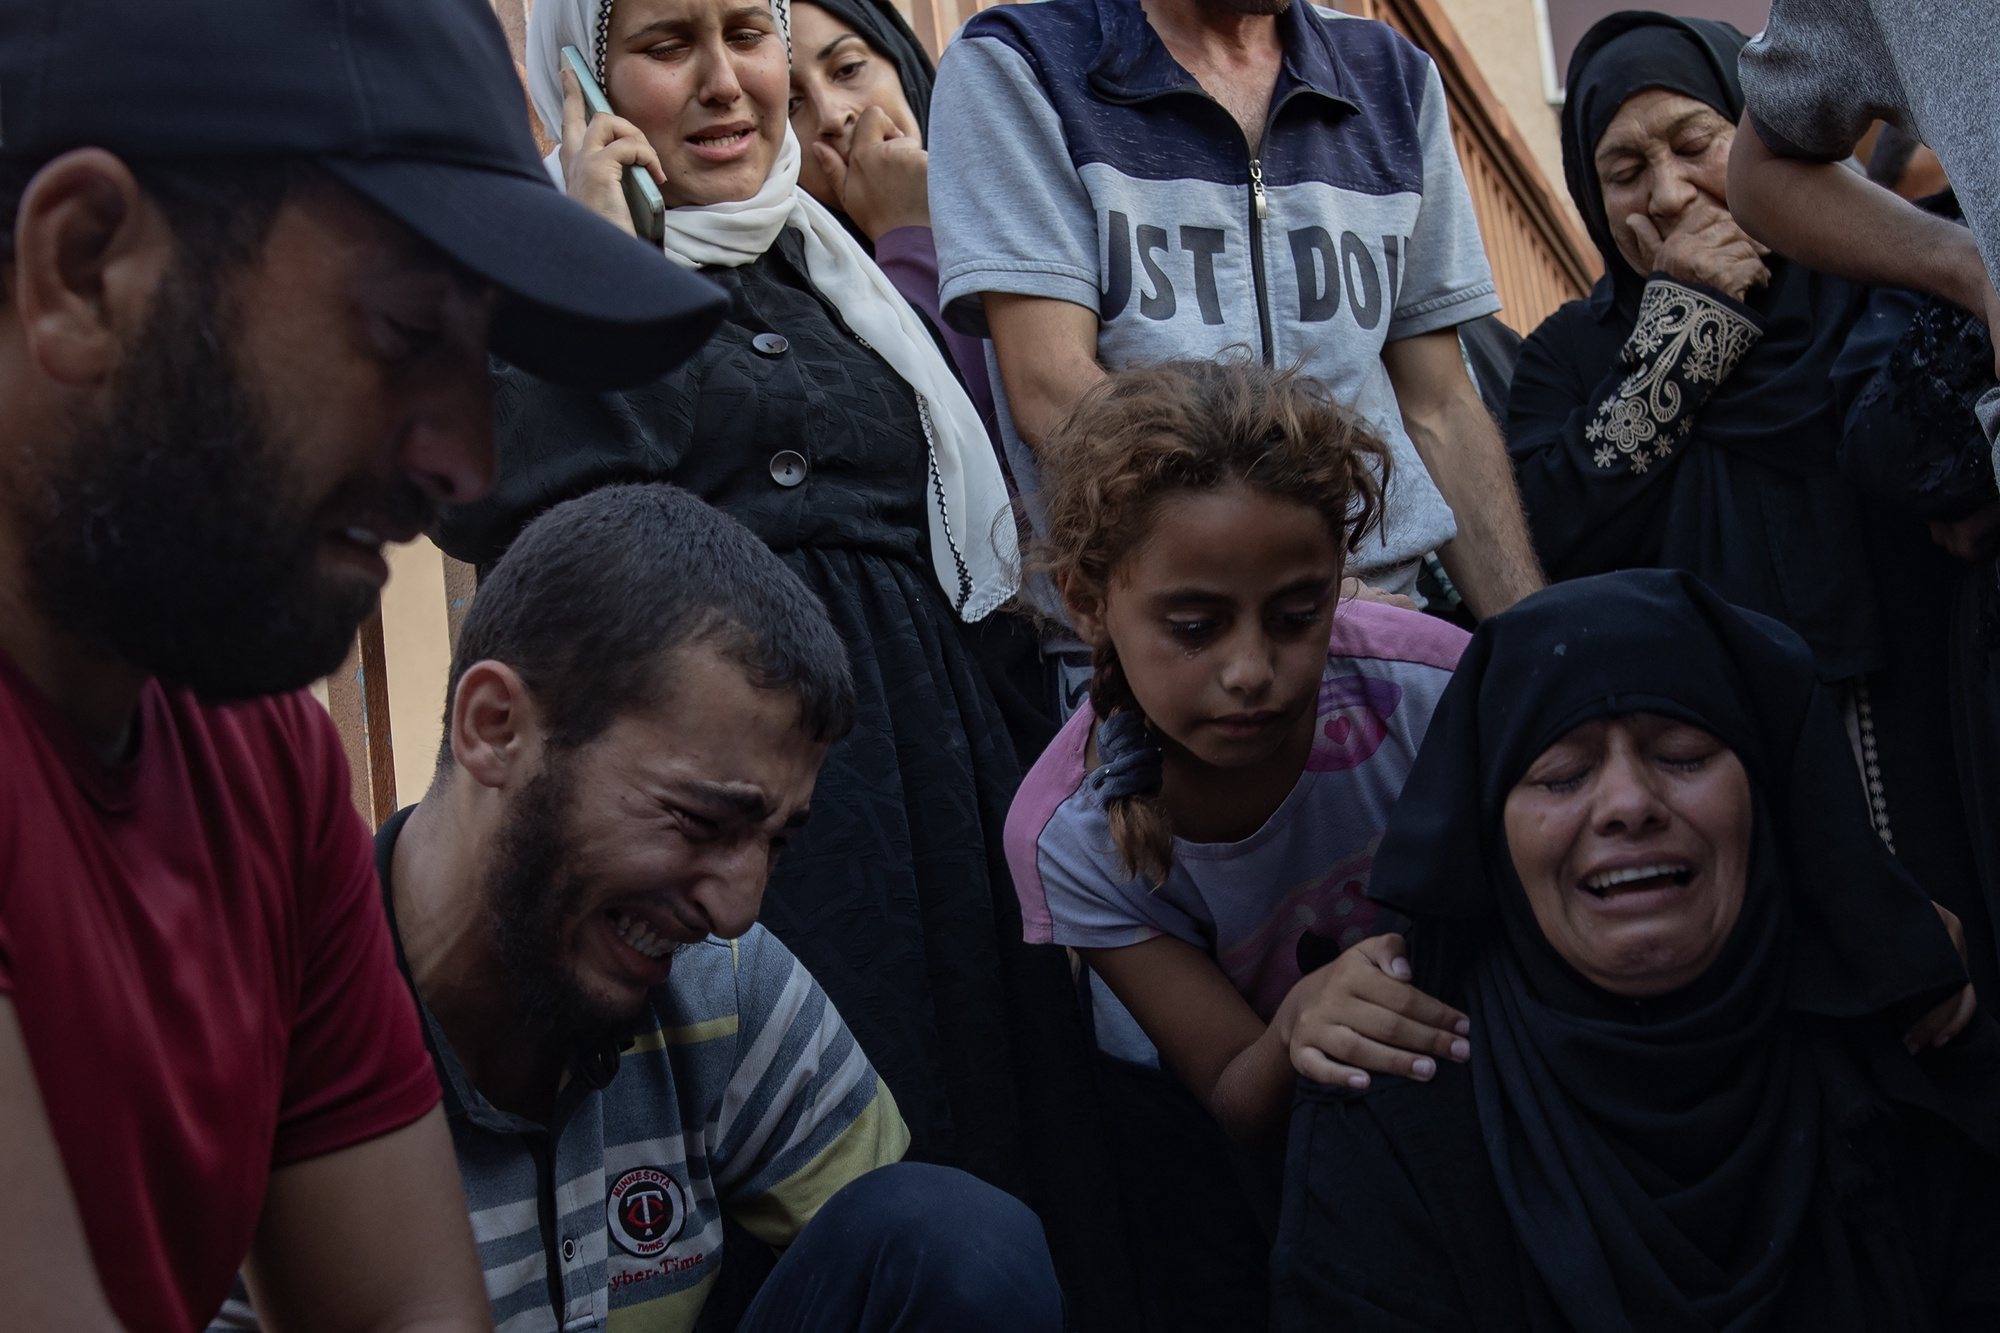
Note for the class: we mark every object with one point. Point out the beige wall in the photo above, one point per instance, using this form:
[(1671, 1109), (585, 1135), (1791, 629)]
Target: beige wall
[(1505, 37), (416, 631)]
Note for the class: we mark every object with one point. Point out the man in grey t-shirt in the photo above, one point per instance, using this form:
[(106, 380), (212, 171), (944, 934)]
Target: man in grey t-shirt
[(1112, 185), (1815, 80)]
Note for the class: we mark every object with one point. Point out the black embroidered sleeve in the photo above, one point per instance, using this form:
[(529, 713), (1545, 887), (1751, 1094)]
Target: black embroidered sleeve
[(1938, 373), (1685, 344)]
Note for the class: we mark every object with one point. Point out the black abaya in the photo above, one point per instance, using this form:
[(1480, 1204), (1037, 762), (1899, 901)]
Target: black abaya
[(1911, 372), (1712, 1159)]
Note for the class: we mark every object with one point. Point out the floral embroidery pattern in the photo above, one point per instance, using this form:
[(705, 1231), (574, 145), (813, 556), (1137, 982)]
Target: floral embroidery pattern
[(1684, 345)]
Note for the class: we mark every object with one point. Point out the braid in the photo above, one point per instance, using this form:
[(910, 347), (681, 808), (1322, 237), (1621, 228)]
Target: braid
[(1139, 823)]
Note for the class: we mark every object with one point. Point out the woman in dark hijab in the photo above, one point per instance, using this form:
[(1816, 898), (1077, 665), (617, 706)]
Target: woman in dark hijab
[(1681, 417), (861, 103), (1635, 852), (886, 34)]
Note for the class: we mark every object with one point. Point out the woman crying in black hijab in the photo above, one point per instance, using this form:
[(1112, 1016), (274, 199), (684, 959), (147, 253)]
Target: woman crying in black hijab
[(1635, 853)]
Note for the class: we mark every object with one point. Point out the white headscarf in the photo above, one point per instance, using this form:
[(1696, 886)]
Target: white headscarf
[(972, 531)]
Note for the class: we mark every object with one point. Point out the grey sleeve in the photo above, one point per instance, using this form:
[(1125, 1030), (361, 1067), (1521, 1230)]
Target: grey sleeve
[(1446, 279), (1008, 210), (1818, 77)]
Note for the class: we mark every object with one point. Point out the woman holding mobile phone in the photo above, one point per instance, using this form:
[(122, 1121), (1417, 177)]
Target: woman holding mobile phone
[(825, 417)]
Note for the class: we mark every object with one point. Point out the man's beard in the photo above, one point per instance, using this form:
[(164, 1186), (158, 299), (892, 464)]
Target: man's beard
[(167, 533), (532, 898)]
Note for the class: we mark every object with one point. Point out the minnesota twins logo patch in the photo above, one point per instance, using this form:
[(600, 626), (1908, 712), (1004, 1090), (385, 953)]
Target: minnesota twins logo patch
[(646, 1210)]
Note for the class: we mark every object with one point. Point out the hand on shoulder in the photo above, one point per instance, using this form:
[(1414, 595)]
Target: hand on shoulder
[(1359, 1015)]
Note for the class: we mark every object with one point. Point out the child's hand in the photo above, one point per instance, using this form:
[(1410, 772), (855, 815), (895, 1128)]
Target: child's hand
[(1360, 1014)]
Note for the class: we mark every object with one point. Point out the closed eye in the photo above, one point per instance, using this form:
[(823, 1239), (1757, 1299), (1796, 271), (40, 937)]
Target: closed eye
[(1559, 772), (399, 340), (1297, 622), (700, 828)]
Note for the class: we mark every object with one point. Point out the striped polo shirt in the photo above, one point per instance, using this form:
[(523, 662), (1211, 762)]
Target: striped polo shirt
[(740, 1092)]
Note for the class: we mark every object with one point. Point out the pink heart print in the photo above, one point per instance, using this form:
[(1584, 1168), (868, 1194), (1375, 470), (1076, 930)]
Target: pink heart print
[(1354, 713)]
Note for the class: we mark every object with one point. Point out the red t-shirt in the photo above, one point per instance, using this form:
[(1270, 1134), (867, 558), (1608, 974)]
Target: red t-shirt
[(197, 954)]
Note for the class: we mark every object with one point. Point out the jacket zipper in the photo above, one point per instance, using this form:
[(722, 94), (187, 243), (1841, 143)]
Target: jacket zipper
[(1258, 207)]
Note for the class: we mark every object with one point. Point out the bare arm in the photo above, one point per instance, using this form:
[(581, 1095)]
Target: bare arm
[(1047, 350), (1492, 559), (1358, 1013), (1235, 1064), (1829, 218), (371, 1239), (47, 1279)]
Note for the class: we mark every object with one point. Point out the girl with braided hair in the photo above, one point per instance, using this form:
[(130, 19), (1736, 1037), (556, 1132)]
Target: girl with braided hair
[(1201, 831)]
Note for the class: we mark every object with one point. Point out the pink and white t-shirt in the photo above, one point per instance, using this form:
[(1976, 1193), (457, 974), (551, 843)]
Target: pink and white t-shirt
[(1288, 897)]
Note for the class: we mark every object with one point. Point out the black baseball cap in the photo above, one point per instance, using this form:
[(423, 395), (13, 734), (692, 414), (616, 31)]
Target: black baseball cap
[(414, 104)]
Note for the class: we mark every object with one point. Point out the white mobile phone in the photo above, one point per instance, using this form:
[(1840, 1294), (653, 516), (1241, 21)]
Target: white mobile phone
[(642, 197)]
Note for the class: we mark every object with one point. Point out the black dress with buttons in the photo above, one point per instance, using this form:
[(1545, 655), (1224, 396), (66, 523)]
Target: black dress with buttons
[(896, 896)]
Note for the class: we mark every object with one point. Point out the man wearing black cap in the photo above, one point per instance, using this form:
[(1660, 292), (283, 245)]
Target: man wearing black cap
[(251, 258)]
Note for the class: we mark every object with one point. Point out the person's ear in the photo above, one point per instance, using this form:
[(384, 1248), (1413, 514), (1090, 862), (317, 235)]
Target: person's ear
[(1084, 602), (90, 250), (496, 730)]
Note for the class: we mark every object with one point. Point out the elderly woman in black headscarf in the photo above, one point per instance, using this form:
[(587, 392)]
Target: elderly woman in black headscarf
[(1678, 416), (1681, 417), (1635, 853)]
